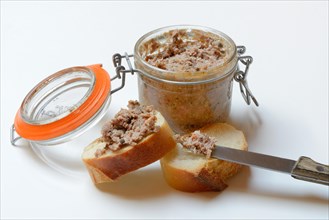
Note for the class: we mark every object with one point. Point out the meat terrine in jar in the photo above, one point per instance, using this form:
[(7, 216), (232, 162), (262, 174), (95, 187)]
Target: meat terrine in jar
[(186, 73), (189, 76)]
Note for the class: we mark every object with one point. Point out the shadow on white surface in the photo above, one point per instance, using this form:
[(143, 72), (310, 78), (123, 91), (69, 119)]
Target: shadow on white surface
[(240, 181), (241, 184), (248, 120), (148, 183), (141, 184), (277, 194)]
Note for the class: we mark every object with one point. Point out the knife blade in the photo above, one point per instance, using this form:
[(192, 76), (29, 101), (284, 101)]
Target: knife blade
[(303, 169)]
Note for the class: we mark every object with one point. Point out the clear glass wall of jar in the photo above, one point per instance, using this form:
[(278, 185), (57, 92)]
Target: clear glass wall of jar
[(188, 100)]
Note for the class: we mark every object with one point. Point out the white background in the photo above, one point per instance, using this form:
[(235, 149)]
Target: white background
[(289, 77)]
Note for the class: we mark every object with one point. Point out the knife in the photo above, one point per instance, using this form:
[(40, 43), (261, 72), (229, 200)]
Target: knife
[(303, 169)]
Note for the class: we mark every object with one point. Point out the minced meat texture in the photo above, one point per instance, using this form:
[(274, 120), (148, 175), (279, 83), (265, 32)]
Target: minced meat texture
[(128, 127), (197, 143), (182, 55)]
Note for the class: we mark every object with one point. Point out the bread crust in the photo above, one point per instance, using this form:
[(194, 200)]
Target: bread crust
[(108, 168), (212, 174), (186, 181)]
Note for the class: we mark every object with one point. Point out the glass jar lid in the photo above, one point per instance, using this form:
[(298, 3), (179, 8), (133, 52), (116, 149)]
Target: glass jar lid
[(64, 105)]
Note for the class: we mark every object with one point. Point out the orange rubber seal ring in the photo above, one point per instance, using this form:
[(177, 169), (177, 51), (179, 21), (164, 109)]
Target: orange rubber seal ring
[(76, 118)]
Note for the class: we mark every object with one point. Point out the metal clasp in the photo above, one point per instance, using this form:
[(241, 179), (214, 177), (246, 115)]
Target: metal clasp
[(241, 76), (120, 70), (13, 137)]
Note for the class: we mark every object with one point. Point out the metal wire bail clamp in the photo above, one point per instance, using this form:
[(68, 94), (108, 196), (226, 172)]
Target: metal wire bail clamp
[(14, 138), (120, 70), (241, 76)]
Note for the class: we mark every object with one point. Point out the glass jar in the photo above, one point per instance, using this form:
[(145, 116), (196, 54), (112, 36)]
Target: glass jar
[(189, 99)]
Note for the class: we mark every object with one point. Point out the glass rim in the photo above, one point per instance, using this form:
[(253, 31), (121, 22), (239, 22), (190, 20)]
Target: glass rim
[(100, 94), (161, 30)]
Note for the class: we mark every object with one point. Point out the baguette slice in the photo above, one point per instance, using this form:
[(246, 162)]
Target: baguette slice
[(190, 172), (111, 165)]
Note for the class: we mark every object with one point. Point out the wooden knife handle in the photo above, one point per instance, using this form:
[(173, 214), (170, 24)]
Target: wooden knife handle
[(309, 170)]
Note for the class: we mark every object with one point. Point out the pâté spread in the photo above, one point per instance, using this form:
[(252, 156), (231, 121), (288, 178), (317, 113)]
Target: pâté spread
[(128, 127), (182, 55), (197, 143)]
